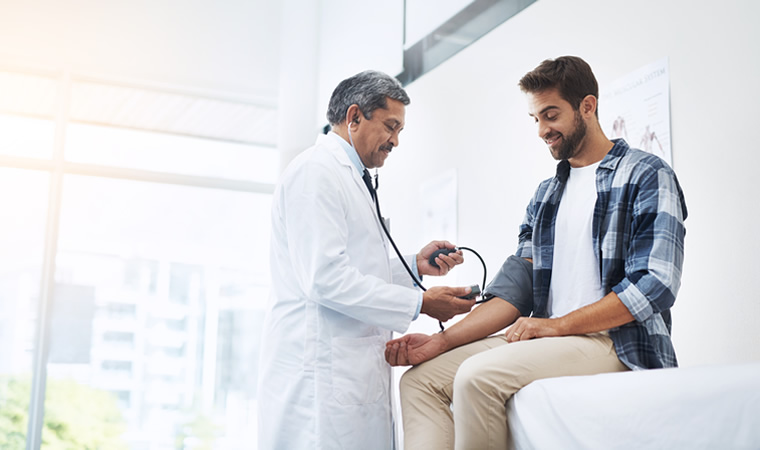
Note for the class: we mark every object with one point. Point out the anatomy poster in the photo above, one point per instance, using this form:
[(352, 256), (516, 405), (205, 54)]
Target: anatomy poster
[(636, 108)]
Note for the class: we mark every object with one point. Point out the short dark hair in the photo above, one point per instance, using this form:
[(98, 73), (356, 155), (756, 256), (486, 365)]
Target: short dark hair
[(570, 75), (369, 90)]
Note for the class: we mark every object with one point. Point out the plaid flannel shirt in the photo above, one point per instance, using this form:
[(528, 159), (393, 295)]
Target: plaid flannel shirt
[(638, 236)]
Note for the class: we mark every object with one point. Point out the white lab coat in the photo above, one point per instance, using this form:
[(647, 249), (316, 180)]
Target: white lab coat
[(323, 379)]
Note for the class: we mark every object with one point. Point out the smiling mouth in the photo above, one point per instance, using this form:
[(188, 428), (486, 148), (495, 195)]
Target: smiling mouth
[(552, 140)]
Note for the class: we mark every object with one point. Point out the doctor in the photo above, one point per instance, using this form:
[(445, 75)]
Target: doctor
[(336, 294)]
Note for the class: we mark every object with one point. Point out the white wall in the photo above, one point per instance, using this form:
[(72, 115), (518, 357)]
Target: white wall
[(469, 114)]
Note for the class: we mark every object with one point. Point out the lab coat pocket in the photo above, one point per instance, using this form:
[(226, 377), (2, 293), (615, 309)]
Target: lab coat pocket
[(358, 372)]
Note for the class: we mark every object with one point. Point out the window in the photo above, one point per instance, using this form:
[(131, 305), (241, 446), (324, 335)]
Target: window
[(164, 152), (140, 233), (26, 137), (119, 339)]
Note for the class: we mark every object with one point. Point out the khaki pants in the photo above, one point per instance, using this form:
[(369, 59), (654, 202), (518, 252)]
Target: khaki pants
[(479, 378)]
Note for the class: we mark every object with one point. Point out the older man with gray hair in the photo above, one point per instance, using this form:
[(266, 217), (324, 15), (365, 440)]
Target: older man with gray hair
[(336, 294)]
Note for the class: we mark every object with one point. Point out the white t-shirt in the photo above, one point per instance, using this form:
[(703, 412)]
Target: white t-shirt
[(575, 268)]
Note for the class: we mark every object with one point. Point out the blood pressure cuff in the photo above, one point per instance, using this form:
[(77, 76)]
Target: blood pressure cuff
[(513, 283)]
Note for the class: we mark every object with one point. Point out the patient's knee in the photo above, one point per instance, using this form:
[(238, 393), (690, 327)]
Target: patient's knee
[(423, 379), (415, 379), (474, 376), (466, 377)]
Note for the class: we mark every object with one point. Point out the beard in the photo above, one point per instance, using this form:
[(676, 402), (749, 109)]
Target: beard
[(570, 143)]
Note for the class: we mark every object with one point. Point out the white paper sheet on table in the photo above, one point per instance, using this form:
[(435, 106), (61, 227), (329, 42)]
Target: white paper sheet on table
[(711, 407)]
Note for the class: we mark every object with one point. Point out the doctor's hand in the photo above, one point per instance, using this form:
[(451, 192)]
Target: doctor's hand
[(443, 302), (445, 262), (414, 349)]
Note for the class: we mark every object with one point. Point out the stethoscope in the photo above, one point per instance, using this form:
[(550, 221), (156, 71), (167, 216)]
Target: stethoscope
[(373, 193)]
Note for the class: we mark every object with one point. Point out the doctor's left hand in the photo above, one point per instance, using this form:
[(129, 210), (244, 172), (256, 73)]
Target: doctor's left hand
[(445, 262)]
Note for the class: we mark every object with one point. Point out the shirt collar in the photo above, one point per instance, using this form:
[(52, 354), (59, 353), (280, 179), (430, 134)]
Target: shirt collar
[(351, 152), (610, 160), (613, 157)]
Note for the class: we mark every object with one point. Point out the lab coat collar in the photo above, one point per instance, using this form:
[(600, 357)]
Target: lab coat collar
[(342, 151), (351, 152)]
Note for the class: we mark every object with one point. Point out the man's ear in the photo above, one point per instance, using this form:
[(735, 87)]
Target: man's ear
[(588, 105), (353, 115)]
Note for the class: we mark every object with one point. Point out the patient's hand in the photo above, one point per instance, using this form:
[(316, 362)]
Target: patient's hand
[(413, 349)]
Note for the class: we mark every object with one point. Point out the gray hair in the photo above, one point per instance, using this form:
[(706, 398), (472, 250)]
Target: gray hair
[(369, 90)]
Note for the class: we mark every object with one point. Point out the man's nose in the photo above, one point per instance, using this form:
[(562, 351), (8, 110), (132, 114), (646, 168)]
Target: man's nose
[(393, 139), (543, 130)]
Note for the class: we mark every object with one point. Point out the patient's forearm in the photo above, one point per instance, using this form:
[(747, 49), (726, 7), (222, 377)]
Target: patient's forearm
[(483, 321)]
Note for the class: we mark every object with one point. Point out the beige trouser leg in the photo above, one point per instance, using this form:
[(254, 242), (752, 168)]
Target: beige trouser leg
[(426, 395), (486, 381), (481, 385)]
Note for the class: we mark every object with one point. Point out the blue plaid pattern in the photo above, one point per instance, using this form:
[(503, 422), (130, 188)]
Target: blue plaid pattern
[(638, 235)]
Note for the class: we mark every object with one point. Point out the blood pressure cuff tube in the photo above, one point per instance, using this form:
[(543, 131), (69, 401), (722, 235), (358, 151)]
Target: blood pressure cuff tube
[(513, 283)]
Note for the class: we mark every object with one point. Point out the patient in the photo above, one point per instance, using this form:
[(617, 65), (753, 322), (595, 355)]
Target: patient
[(597, 269)]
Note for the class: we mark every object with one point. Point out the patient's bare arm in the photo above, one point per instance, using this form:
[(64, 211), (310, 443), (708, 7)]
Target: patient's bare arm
[(483, 321)]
